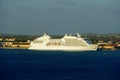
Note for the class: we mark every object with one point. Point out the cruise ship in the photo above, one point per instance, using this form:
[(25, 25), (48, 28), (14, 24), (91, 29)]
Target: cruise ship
[(66, 43)]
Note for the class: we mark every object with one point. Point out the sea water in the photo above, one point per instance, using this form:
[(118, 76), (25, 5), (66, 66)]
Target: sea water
[(18, 64)]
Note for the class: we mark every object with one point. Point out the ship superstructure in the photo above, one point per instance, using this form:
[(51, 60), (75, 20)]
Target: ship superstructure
[(66, 43)]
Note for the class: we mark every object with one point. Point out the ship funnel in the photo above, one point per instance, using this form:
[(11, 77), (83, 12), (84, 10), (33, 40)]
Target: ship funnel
[(78, 35)]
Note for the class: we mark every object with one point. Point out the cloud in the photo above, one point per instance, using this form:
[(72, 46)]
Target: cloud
[(30, 10), (69, 3), (106, 10), (60, 15)]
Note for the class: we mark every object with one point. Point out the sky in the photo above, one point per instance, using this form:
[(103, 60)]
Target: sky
[(59, 16)]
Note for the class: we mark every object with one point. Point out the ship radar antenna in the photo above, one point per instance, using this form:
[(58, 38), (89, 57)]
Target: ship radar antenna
[(65, 34), (45, 33), (78, 35)]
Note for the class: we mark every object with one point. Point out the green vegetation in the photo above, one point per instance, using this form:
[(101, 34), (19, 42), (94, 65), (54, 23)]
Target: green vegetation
[(95, 38), (18, 38)]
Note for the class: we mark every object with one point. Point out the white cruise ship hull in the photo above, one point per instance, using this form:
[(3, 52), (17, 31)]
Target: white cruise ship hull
[(64, 48)]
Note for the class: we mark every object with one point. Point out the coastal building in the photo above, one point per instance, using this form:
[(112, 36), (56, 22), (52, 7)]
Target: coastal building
[(10, 39), (106, 46), (15, 45), (6, 44), (20, 45), (1, 39)]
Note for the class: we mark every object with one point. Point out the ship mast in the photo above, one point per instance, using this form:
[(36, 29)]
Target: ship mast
[(78, 35)]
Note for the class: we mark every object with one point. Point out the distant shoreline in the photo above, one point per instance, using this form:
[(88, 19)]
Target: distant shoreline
[(12, 48)]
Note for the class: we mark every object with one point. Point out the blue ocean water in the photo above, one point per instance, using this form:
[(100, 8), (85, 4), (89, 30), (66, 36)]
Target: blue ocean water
[(16, 64)]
